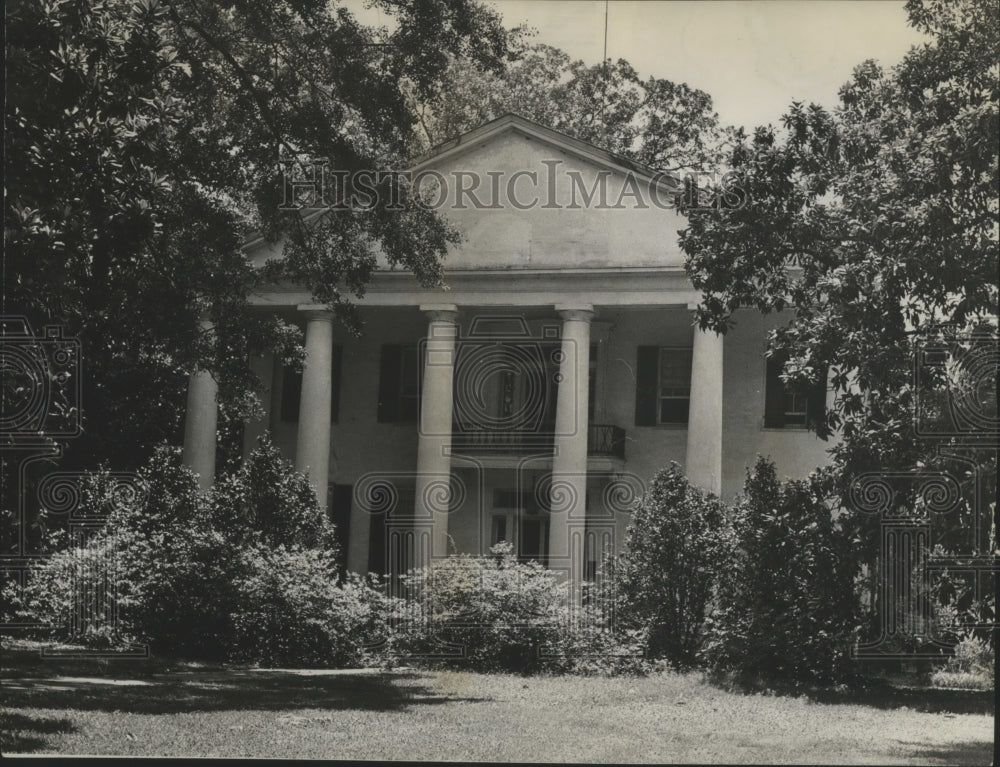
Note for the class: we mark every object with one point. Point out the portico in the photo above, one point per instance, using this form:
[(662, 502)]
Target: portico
[(529, 400)]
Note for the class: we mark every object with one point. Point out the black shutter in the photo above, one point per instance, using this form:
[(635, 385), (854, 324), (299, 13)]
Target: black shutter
[(774, 394), (335, 365), (816, 399), (388, 384), (291, 394), (646, 385)]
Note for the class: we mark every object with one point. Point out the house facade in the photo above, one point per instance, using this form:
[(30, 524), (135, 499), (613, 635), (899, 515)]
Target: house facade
[(531, 399)]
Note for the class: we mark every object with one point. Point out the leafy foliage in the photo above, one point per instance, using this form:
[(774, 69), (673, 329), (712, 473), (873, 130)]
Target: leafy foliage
[(887, 208), (221, 575), (143, 145), (678, 544), (787, 605), (666, 125), (293, 612), (496, 613), (875, 227), (266, 501)]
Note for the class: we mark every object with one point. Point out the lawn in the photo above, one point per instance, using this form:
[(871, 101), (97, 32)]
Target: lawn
[(155, 708)]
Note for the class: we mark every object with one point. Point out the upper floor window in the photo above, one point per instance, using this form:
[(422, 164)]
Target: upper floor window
[(784, 408), (399, 384), (663, 385), (291, 389)]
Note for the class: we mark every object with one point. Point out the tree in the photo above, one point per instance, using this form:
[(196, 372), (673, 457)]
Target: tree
[(886, 212), (787, 607), (663, 124), (143, 144), (678, 544), (876, 226)]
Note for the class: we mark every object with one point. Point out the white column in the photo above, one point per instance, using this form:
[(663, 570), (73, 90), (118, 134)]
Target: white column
[(312, 450), (200, 423), (703, 464), (567, 516), (434, 429)]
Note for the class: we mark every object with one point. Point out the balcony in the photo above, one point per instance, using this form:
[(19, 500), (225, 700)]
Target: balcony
[(603, 440), (606, 440)]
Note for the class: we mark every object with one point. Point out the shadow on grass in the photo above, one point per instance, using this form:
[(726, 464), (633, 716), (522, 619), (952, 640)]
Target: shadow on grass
[(957, 754), (20, 733), (188, 692), (877, 694), (926, 699), (164, 686)]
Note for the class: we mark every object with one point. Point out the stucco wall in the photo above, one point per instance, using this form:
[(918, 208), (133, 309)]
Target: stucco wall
[(542, 237)]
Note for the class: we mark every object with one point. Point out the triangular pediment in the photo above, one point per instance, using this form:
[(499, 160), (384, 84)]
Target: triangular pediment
[(524, 196), (514, 123)]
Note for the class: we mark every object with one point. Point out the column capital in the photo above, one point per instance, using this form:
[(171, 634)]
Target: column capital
[(440, 312), (581, 312), (315, 312)]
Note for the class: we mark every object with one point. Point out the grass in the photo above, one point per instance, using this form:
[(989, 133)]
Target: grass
[(119, 707)]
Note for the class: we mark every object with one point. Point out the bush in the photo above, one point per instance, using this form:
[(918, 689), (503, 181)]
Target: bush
[(970, 666), (787, 608), (294, 612), (157, 559), (677, 544), (495, 613), (215, 576), (267, 500), (485, 613)]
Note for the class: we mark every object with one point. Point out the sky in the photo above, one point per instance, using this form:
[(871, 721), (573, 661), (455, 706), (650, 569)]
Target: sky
[(754, 57)]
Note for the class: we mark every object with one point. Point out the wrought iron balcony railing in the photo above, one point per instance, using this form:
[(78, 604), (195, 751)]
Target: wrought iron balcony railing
[(606, 439)]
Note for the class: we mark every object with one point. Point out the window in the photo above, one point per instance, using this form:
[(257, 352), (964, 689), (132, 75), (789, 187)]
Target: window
[(291, 389), (785, 409), (499, 532), (533, 540), (399, 384), (663, 385)]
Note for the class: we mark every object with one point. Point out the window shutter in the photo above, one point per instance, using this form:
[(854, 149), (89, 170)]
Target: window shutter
[(335, 365), (774, 394), (291, 394), (646, 385), (816, 399), (388, 384)]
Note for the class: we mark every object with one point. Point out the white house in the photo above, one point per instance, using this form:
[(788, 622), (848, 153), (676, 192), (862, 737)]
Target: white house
[(531, 400)]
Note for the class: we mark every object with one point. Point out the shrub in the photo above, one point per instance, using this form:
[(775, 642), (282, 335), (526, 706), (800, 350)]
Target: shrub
[(220, 575), (485, 613), (787, 608), (495, 613), (267, 499), (970, 666), (677, 544), (292, 611), (168, 573)]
